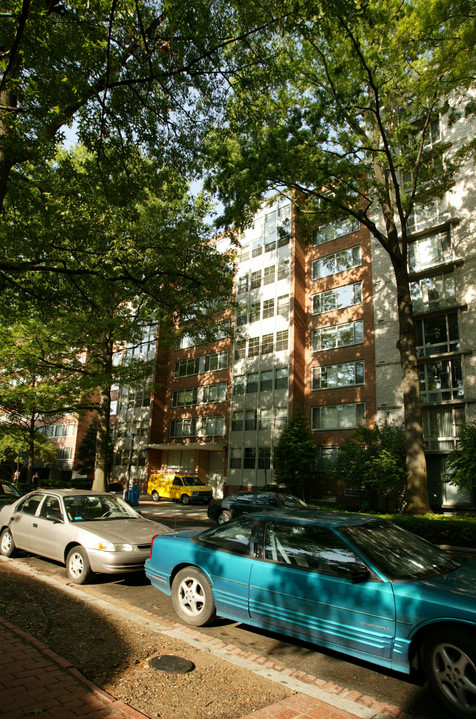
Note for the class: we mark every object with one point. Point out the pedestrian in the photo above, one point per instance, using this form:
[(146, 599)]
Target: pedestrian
[(35, 479)]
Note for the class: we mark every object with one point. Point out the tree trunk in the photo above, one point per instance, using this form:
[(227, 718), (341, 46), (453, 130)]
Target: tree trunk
[(417, 484), (31, 449), (102, 442)]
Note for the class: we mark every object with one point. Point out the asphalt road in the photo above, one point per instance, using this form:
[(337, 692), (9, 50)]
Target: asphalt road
[(330, 666)]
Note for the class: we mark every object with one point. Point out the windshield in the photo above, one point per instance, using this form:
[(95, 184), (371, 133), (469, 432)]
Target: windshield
[(398, 553), (92, 507), (289, 500), (192, 482)]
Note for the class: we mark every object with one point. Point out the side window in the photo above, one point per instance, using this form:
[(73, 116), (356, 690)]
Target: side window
[(233, 538), (30, 505), (51, 509), (245, 498), (177, 482), (310, 547)]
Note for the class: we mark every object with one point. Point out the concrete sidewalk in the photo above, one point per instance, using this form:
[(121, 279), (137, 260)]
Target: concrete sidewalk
[(34, 681)]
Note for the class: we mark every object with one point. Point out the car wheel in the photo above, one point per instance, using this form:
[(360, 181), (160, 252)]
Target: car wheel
[(185, 499), (7, 545), (192, 597), (449, 662), (155, 496), (224, 516), (77, 566)]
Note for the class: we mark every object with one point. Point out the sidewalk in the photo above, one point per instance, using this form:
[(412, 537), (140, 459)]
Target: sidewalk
[(35, 681)]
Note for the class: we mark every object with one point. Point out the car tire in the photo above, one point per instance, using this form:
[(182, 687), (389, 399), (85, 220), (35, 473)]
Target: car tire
[(155, 496), (185, 499), (449, 663), (77, 565), (7, 545), (192, 597), (224, 516)]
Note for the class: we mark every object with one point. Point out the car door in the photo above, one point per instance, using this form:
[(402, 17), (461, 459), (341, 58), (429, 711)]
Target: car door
[(308, 585), (229, 565), (48, 532), (23, 521)]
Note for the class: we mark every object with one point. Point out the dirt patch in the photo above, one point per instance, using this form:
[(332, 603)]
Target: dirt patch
[(114, 653)]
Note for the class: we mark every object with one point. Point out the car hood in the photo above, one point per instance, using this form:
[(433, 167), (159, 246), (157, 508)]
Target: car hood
[(119, 531), (460, 582)]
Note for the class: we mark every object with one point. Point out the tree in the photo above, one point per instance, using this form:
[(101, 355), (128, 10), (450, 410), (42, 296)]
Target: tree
[(374, 458), (353, 93), (137, 221), (462, 461), (294, 455), (15, 444)]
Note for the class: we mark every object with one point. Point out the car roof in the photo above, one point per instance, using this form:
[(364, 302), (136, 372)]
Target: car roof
[(70, 492), (315, 516)]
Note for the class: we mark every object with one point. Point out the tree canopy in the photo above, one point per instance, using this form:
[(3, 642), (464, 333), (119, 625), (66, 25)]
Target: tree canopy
[(348, 124)]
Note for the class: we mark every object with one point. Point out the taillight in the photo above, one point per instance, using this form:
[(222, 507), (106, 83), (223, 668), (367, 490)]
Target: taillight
[(152, 544)]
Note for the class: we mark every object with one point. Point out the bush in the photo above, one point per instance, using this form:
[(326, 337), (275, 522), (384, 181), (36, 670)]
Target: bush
[(439, 529)]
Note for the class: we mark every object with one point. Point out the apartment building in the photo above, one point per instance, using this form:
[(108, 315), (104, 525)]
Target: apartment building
[(316, 328)]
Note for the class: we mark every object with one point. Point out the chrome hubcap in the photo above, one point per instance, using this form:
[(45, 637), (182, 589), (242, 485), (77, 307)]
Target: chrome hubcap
[(191, 597)]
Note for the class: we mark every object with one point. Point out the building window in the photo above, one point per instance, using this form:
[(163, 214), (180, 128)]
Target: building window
[(283, 306), (235, 458), (216, 361), (440, 427), (240, 349), (265, 418), (249, 461), (332, 230), (432, 293), (59, 430), (280, 417), (253, 347), (429, 251), (282, 340), (339, 262), (252, 381), (237, 419), (215, 426), (338, 416), (268, 309), (255, 312), (264, 457), (344, 374), (281, 376), (257, 248), (184, 397), (185, 368), (441, 380), (64, 453), (250, 419), (426, 216), (241, 317), (239, 384), (266, 383), (269, 275), (242, 284), (185, 341), (437, 335), (283, 270), (255, 280), (215, 392), (326, 458), (344, 335), (267, 344), (182, 428), (245, 253), (337, 299)]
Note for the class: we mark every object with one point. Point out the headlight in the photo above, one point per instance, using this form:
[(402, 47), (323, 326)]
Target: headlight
[(110, 547)]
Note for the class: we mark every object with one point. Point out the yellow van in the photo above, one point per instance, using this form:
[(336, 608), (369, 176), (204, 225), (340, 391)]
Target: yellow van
[(183, 488)]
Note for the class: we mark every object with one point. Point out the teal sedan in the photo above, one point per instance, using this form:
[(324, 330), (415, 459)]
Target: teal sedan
[(352, 583)]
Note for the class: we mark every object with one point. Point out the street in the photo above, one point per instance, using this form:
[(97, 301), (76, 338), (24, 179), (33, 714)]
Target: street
[(136, 591)]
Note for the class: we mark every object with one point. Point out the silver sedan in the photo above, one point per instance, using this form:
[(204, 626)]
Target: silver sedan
[(87, 531)]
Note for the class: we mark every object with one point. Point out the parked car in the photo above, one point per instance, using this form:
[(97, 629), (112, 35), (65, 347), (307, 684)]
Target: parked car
[(8, 493), (234, 505), (353, 583), (88, 531), (184, 488)]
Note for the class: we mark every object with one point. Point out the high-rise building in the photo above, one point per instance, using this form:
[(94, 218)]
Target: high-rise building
[(315, 327)]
